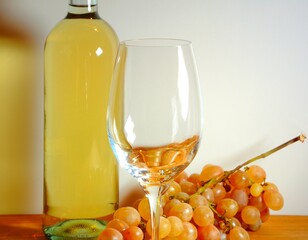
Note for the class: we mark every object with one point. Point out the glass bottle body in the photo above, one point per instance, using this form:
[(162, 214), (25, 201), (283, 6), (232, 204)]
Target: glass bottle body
[(80, 172)]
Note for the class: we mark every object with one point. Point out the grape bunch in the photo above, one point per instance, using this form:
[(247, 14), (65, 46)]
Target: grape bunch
[(211, 205)]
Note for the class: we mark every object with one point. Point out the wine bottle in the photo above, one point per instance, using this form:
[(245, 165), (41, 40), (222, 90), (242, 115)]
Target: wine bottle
[(80, 171)]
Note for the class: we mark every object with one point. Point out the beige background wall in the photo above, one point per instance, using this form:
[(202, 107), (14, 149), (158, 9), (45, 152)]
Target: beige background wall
[(252, 58)]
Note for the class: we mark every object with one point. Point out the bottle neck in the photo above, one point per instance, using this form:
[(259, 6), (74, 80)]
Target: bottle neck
[(83, 9)]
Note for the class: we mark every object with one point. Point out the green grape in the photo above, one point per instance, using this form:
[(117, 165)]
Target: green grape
[(227, 207), (203, 216), (250, 215)]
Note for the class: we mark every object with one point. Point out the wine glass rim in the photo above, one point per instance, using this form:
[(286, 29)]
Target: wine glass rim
[(155, 42)]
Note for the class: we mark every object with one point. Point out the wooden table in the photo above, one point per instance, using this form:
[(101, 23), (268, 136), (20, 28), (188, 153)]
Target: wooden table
[(23, 227)]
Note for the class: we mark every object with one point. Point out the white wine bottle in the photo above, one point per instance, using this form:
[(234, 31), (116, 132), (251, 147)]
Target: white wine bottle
[(80, 170)]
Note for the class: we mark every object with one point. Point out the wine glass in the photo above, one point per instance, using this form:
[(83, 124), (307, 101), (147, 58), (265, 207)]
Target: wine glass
[(154, 115)]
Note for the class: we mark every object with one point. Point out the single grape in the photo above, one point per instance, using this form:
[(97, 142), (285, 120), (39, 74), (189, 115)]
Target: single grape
[(265, 214), (189, 232), (240, 196), (239, 179), (219, 192), (110, 234), (182, 176), (256, 189), (270, 186), (250, 215), (176, 226), (182, 196), (170, 204), (238, 233), (209, 194), (227, 207), (164, 227), (255, 227), (208, 232), (195, 178), (210, 171), (174, 189), (257, 202), (203, 216), (183, 211), (198, 200), (273, 199), (129, 215), (117, 224), (188, 187), (256, 174), (133, 233)]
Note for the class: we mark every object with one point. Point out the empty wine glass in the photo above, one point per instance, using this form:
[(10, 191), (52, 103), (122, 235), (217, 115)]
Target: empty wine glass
[(154, 114)]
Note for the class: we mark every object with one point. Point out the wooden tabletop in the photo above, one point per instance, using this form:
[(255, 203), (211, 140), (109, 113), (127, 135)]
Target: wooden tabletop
[(23, 227)]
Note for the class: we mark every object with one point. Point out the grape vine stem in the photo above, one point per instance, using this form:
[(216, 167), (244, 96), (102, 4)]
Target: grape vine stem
[(214, 181)]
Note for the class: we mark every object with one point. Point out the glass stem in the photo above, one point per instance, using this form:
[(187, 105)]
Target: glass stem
[(153, 193)]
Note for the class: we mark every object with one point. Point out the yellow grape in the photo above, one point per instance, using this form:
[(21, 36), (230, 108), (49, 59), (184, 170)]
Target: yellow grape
[(273, 199), (256, 189), (182, 176), (258, 202), (203, 216), (240, 196), (198, 200), (256, 174), (144, 209), (176, 226), (189, 232), (183, 211), (239, 179), (270, 186), (170, 204), (164, 227), (209, 194), (210, 171), (188, 187), (250, 215), (219, 192), (227, 207), (195, 178), (208, 232), (117, 224), (174, 189), (238, 233), (110, 234), (129, 215), (133, 233)]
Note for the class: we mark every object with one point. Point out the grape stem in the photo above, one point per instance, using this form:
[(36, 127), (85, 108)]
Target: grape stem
[(214, 181)]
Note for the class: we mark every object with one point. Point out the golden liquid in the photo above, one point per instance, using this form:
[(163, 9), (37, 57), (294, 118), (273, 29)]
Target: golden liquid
[(160, 164), (80, 170)]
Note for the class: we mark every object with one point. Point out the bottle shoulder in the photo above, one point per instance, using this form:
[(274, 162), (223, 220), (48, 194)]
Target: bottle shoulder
[(82, 29)]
